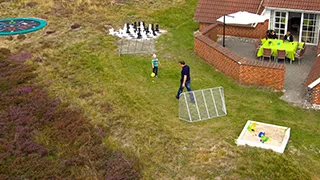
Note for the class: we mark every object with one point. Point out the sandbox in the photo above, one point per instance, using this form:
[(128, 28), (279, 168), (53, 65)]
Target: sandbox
[(264, 135)]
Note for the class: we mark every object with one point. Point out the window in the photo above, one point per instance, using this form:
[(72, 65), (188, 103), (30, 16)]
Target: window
[(310, 26), (280, 22)]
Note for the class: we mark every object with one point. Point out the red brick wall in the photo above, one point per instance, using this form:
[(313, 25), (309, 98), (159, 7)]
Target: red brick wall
[(202, 26), (316, 95), (262, 74), (240, 31), (217, 56), (245, 71)]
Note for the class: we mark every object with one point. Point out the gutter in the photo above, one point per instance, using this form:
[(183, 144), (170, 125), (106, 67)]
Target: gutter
[(314, 83), (294, 10)]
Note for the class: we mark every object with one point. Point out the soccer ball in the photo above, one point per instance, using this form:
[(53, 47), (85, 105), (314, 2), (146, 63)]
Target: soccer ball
[(153, 75)]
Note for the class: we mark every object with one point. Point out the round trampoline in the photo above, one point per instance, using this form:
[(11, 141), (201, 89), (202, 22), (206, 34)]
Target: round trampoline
[(13, 26)]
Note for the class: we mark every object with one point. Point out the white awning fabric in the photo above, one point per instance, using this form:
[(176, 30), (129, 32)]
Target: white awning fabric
[(243, 17)]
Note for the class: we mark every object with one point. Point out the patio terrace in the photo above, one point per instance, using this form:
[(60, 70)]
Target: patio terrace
[(295, 75)]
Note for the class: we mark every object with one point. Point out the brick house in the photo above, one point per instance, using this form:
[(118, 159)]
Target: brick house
[(300, 17), (313, 81)]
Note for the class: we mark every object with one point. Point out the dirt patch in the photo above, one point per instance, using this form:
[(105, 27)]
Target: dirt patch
[(75, 26), (85, 95), (31, 4), (106, 107), (21, 37), (4, 52)]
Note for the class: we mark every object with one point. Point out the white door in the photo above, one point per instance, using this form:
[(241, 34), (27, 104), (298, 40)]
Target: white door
[(280, 23), (310, 28)]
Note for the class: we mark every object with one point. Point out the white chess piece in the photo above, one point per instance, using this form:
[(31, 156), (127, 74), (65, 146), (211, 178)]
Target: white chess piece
[(111, 31), (150, 28), (125, 27), (131, 29), (150, 35), (144, 35), (120, 33)]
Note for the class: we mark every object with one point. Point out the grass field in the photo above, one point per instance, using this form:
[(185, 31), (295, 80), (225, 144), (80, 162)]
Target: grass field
[(82, 68)]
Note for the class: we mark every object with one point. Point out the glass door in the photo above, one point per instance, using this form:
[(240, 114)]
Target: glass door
[(280, 23), (310, 28)]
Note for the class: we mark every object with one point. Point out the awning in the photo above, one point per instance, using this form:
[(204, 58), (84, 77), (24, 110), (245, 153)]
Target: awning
[(243, 17)]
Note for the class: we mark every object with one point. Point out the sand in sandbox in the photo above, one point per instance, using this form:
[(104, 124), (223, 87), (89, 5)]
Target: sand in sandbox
[(275, 134)]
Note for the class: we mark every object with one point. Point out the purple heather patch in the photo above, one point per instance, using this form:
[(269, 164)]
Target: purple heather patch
[(20, 58), (26, 89)]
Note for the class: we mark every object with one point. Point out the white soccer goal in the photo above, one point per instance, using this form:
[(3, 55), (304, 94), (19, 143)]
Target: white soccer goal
[(202, 104)]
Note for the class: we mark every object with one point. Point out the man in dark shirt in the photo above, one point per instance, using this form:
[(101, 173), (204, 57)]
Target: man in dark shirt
[(271, 34), (185, 80)]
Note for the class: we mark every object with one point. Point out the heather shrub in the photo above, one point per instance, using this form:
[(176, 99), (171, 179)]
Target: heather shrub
[(41, 138)]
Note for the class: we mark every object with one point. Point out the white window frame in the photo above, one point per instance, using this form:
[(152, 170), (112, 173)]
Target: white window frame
[(286, 22), (301, 23)]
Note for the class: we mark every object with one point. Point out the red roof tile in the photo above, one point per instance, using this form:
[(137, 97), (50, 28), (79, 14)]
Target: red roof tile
[(313, 5), (208, 11)]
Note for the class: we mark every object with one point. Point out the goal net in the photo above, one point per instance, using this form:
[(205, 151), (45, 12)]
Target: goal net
[(202, 104)]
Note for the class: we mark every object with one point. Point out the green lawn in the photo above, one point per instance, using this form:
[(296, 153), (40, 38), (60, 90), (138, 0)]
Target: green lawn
[(82, 67)]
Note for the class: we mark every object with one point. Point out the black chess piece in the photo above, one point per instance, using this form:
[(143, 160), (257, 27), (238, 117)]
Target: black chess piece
[(154, 32), (143, 24), (146, 29), (139, 33), (128, 27), (139, 23), (135, 26), (157, 27)]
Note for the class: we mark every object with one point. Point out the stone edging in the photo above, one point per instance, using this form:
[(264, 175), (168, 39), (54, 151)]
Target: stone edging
[(238, 39)]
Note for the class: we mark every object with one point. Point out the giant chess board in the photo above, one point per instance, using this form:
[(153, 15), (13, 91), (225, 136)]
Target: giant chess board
[(138, 30)]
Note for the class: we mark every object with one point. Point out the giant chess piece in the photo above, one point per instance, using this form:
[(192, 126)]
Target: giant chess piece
[(135, 26), (146, 29), (141, 27), (128, 27), (149, 31), (152, 29), (139, 33), (157, 28), (131, 30), (143, 24)]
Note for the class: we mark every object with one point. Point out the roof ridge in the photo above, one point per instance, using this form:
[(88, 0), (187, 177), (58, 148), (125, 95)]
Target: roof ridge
[(208, 11)]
